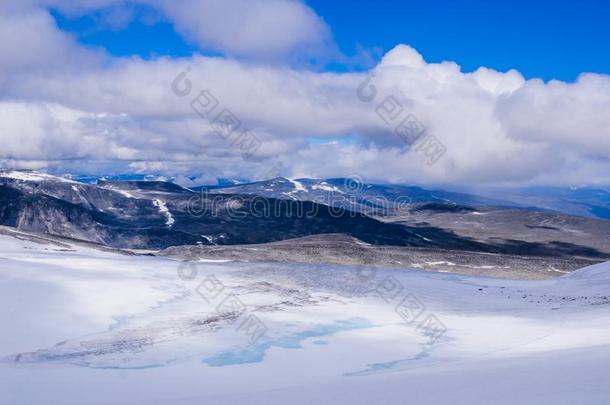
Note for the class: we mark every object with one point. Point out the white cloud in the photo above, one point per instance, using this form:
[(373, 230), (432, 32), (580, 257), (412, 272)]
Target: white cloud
[(31, 43), (576, 115), (84, 111), (251, 28)]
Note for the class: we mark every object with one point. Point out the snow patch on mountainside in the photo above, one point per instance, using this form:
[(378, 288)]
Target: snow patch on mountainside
[(298, 186), (162, 205), (324, 186), (210, 239), (122, 192)]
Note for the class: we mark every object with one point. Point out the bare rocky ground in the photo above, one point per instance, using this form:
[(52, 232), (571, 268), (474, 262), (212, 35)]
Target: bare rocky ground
[(561, 234), (584, 235), (503, 242), (344, 250)]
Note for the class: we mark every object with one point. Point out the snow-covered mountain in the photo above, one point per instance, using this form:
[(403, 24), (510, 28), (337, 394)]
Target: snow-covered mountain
[(157, 215), (386, 198), (352, 194), (153, 215)]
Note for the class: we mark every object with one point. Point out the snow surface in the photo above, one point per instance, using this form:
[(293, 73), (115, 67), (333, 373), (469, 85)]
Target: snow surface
[(209, 239), (83, 326), (324, 186), (169, 218), (298, 186), (122, 192)]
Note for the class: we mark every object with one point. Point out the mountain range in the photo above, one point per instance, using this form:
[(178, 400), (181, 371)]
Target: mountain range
[(353, 194), (156, 215)]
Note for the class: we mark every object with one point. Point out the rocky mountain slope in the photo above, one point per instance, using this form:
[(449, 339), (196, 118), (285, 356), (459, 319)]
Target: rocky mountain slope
[(353, 194), (156, 215)]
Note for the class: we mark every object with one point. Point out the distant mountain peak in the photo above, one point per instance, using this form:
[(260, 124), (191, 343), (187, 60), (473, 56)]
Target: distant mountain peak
[(31, 175)]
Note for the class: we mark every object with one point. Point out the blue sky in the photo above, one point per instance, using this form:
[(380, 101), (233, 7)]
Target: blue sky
[(145, 34), (557, 40)]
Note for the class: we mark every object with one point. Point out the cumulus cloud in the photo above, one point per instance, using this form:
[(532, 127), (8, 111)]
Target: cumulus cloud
[(30, 42), (250, 28), (270, 30), (572, 114), (72, 109)]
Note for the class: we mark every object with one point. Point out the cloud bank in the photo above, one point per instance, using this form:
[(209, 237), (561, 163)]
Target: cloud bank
[(69, 108)]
